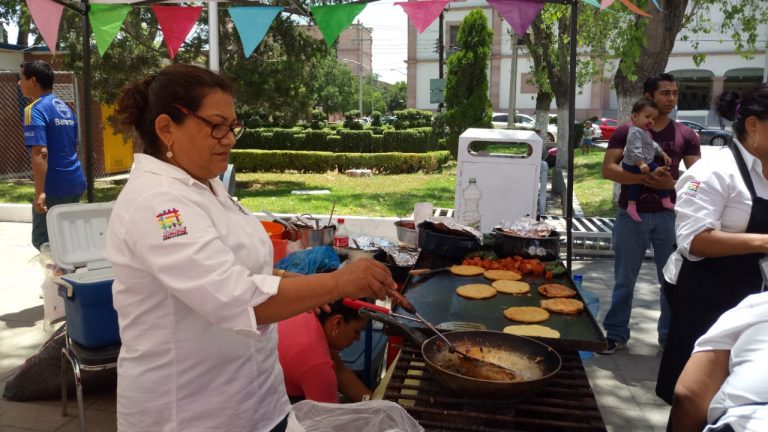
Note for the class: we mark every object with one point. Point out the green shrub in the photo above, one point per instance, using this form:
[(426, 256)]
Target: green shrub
[(412, 118), (353, 141), (375, 118), (350, 120), (377, 142), (282, 139), (316, 140), (376, 130), (321, 162), (319, 120), (408, 141)]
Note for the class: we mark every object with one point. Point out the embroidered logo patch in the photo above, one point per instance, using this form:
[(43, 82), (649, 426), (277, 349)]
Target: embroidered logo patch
[(693, 188), (171, 224)]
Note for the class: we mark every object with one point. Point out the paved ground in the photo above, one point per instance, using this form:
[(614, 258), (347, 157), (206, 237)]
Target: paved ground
[(622, 382)]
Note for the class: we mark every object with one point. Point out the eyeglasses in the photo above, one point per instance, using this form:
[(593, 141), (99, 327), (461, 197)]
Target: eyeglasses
[(218, 130)]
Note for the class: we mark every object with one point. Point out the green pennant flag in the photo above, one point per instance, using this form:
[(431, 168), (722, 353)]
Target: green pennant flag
[(333, 19), (106, 20)]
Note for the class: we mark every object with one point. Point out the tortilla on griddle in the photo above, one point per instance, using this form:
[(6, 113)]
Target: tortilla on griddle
[(535, 330), (476, 291), (466, 270), (556, 291), (495, 275), (526, 314), (511, 287), (564, 306)]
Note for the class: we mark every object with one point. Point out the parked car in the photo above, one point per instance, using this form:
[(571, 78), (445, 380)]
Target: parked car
[(553, 124), (709, 136), (523, 121), (607, 127), (388, 120)]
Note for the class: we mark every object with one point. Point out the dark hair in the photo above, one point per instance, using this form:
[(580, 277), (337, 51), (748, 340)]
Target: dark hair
[(338, 308), (651, 83), (141, 102), (642, 104), (737, 108), (40, 71)]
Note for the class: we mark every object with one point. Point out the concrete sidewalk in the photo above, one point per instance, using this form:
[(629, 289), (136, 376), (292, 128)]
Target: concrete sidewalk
[(623, 382)]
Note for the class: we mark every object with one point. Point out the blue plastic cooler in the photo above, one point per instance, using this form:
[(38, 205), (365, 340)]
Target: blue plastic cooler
[(77, 234)]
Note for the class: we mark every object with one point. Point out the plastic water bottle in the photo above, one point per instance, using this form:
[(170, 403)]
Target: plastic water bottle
[(341, 238), (577, 280), (471, 214)]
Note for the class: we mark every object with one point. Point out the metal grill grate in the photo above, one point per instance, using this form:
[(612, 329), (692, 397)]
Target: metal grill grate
[(566, 404)]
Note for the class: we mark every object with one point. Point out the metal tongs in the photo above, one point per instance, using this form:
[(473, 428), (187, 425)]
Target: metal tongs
[(408, 306)]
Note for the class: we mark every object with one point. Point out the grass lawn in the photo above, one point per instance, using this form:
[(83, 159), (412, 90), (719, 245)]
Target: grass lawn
[(385, 195), (591, 189)]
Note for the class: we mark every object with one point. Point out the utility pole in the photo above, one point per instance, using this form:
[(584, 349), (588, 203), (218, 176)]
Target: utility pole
[(360, 66), (440, 53), (213, 36), (511, 110)]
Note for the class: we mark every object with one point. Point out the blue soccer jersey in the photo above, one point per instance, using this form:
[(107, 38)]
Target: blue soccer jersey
[(49, 122)]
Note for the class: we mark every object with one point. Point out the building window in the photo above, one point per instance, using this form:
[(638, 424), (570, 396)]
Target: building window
[(453, 34)]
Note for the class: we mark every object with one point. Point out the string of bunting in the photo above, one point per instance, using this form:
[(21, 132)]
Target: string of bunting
[(253, 22)]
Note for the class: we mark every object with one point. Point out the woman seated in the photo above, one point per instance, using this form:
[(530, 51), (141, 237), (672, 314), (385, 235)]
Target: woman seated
[(309, 345), (723, 385)]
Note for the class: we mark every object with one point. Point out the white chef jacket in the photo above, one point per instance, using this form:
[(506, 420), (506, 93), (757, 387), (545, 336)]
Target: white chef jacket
[(743, 331), (712, 195), (189, 267)]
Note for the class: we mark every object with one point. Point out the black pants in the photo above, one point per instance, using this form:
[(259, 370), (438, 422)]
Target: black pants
[(280, 427)]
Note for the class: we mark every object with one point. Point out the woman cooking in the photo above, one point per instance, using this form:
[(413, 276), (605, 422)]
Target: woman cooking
[(721, 226), (194, 289)]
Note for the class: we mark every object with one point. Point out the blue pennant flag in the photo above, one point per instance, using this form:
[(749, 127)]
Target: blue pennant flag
[(252, 24)]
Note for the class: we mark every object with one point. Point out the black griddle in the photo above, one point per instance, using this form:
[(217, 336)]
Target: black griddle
[(434, 296)]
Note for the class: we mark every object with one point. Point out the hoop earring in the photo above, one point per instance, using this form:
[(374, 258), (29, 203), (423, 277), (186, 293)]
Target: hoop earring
[(335, 332)]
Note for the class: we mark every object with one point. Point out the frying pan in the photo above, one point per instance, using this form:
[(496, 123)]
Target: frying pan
[(501, 346)]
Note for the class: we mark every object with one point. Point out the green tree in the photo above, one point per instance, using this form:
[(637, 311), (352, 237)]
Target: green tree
[(466, 88), (332, 85), (644, 44), (397, 97)]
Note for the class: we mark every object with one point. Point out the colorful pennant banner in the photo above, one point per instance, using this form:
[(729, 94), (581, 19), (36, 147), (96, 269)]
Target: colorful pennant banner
[(47, 15), (518, 13), (106, 20), (333, 19), (423, 13), (176, 23), (252, 24)]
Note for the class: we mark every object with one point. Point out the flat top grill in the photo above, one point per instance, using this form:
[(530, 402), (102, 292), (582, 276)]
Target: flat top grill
[(565, 404)]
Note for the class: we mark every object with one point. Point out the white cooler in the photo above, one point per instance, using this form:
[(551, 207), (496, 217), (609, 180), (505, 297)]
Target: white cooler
[(77, 234)]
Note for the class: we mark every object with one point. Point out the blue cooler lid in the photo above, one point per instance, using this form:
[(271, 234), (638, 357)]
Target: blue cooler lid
[(77, 233)]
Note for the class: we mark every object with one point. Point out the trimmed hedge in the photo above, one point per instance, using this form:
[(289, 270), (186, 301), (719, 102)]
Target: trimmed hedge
[(372, 140), (321, 162)]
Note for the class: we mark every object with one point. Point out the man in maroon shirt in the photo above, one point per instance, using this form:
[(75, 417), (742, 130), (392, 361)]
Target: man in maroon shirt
[(630, 238)]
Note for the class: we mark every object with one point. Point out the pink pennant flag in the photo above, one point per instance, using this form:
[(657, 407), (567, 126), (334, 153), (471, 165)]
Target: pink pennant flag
[(175, 23), (605, 3), (518, 13), (47, 16), (423, 13)]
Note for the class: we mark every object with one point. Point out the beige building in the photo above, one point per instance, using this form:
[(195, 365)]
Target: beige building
[(722, 70)]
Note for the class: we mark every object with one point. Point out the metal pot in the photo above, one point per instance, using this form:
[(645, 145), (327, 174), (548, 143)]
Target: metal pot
[(406, 232), (455, 246), (316, 237), (436, 357), (543, 248)]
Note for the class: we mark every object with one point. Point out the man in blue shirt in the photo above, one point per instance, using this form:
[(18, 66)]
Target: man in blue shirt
[(50, 132)]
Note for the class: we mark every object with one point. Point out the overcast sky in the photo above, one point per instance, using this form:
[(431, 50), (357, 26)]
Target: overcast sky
[(390, 38)]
